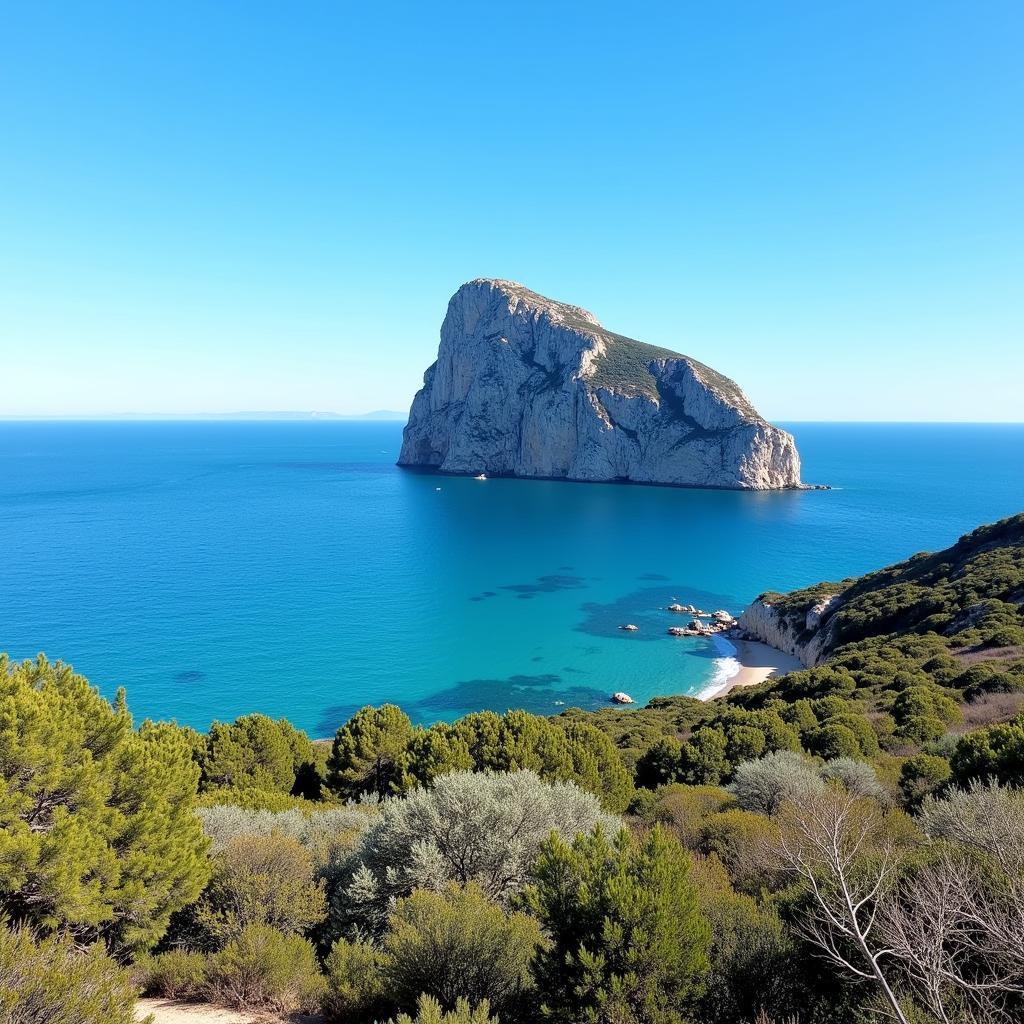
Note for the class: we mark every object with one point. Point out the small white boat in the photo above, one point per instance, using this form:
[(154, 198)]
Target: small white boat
[(480, 476), (629, 627), (622, 698)]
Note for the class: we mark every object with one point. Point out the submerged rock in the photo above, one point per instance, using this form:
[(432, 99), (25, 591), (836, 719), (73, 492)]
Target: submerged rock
[(526, 386)]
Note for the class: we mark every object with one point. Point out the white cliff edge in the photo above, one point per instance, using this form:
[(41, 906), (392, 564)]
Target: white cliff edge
[(807, 641), (526, 386)]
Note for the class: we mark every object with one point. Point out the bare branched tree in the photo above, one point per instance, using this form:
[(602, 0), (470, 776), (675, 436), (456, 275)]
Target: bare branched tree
[(836, 843), (958, 936)]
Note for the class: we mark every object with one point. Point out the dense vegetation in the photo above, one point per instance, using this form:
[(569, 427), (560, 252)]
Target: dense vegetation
[(970, 594), (842, 842), (624, 367)]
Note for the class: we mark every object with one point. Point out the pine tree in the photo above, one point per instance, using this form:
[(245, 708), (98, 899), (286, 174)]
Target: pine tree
[(369, 753), (628, 941), (429, 1011), (558, 750), (255, 752), (98, 834), (596, 764), (437, 751)]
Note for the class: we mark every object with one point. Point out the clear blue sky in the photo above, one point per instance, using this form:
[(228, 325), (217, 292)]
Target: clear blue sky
[(241, 205)]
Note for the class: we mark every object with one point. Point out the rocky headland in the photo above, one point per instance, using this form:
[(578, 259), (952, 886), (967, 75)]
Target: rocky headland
[(526, 386)]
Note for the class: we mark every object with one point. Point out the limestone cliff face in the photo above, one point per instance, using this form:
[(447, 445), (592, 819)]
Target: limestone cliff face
[(806, 638), (525, 386)]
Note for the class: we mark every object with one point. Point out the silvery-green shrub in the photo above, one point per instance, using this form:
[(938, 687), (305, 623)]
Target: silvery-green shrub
[(477, 827), (767, 783)]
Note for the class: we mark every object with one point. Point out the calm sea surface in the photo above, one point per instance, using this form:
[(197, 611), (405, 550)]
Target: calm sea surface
[(220, 568)]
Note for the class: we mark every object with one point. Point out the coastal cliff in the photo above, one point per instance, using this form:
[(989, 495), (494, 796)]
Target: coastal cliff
[(969, 593), (802, 637), (526, 386)]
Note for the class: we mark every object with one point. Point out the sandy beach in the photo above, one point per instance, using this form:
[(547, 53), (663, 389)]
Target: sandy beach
[(179, 1011), (749, 662)]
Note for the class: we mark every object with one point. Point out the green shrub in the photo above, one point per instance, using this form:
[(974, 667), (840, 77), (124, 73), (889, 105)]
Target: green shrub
[(51, 982), (921, 776), (738, 839), (428, 1011), (642, 804), (595, 764), (264, 969), (923, 712), (378, 751), (356, 986), (703, 760), (832, 741), (922, 729), (557, 749), (266, 880), (943, 669), (996, 752), (982, 679), (1006, 636), (176, 974), (743, 743), (660, 764), (750, 956), (800, 714), (456, 944), (684, 809), (867, 738)]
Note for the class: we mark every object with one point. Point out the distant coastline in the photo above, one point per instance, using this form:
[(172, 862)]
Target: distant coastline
[(275, 416)]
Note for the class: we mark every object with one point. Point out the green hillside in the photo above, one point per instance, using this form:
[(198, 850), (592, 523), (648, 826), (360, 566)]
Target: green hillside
[(971, 594), (919, 654)]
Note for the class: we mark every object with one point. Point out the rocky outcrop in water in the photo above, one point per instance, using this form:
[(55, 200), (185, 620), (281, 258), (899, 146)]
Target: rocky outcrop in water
[(526, 386)]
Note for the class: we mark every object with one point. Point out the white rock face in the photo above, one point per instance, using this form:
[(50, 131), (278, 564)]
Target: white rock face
[(817, 612), (763, 622), (525, 386)]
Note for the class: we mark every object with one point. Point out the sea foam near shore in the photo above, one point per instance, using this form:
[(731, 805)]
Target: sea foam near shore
[(727, 667)]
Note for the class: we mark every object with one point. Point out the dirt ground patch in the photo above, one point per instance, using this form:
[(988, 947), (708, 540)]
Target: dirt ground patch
[(989, 709), (174, 1011), (974, 655)]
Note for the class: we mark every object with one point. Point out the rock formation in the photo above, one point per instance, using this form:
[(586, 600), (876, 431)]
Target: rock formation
[(525, 386), (806, 640)]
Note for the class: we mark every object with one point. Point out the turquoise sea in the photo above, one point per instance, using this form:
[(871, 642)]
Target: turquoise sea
[(288, 567)]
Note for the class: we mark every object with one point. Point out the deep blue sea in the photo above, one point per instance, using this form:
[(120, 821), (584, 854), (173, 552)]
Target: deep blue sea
[(220, 568)]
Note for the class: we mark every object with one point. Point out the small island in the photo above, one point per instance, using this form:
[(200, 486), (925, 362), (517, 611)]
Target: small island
[(527, 386)]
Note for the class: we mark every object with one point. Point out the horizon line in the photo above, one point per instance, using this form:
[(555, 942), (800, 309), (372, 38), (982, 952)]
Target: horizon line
[(390, 416)]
